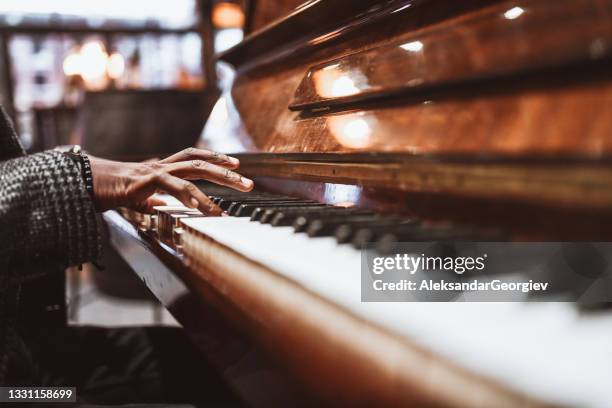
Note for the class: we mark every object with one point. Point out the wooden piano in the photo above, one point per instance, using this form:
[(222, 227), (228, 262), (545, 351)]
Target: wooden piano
[(493, 117)]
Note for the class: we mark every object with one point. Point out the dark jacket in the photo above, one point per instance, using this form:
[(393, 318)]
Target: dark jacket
[(47, 222)]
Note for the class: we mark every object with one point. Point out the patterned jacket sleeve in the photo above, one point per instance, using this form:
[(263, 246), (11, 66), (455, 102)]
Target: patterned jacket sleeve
[(9, 144), (46, 213)]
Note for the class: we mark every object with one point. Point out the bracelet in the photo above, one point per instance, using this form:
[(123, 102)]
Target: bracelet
[(82, 161)]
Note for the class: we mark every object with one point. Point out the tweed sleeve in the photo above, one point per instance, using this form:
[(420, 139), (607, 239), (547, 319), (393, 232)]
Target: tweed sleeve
[(9, 144), (46, 213)]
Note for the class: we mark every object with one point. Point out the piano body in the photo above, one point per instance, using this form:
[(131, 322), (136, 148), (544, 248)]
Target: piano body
[(475, 118)]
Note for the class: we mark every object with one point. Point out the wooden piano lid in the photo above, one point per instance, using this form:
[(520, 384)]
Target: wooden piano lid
[(505, 100)]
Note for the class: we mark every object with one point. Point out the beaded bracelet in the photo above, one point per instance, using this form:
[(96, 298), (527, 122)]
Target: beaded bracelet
[(81, 159)]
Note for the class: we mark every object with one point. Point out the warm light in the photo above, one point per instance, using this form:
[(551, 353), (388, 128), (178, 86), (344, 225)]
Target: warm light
[(334, 82), (351, 130), (73, 64), (358, 131), (344, 86), (115, 66), (227, 15), (92, 48), (94, 60), (514, 13), (414, 46)]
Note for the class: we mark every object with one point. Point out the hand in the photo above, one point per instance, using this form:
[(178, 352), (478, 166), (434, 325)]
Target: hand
[(118, 184)]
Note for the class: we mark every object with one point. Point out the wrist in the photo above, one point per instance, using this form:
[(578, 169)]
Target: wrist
[(82, 161)]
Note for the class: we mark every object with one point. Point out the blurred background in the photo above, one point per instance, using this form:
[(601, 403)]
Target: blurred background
[(126, 79), (144, 67)]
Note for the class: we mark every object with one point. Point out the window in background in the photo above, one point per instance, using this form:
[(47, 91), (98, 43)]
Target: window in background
[(51, 70), (228, 20), (164, 13)]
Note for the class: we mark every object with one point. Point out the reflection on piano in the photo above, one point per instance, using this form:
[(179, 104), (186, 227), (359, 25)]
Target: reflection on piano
[(391, 121)]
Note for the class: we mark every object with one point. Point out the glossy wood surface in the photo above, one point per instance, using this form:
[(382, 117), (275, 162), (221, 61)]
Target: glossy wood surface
[(265, 12), (534, 220), (561, 183), (316, 24), (483, 45), (565, 111), (553, 102)]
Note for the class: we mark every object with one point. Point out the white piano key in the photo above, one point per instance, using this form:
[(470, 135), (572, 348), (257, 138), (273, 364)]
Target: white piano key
[(547, 350)]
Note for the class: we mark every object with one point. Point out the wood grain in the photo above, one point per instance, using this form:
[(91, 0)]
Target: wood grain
[(491, 43), (347, 361)]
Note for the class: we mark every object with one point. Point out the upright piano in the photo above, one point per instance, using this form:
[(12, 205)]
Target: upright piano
[(387, 121)]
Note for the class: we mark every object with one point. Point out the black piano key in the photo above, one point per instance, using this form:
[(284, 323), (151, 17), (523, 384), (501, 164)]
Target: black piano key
[(269, 213), (251, 197), (597, 307), (363, 236), (296, 209), (294, 206), (225, 204), (284, 218), (309, 210), (387, 242), (302, 222), (246, 210), (224, 201), (236, 205), (235, 195), (344, 231)]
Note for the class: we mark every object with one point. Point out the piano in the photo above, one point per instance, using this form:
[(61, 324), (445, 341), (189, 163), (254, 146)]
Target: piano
[(389, 121)]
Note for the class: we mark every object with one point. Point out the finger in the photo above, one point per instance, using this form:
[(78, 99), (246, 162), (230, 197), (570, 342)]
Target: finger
[(152, 202), (187, 193), (148, 206), (206, 155), (201, 170)]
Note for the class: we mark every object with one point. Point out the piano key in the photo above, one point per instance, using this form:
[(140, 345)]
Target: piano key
[(226, 203), (530, 332), (318, 211), (270, 213), (386, 242), (246, 210), (344, 231), (289, 217), (233, 208), (302, 222), (261, 210), (370, 234), (250, 197), (168, 218)]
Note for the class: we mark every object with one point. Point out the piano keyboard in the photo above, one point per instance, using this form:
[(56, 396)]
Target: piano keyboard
[(353, 226), (533, 348)]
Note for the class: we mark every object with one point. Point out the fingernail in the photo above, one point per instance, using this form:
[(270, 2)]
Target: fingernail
[(234, 160), (213, 210), (194, 203), (246, 182), (224, 214)]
